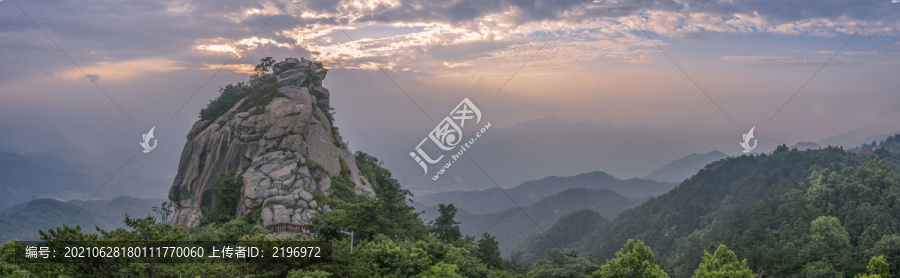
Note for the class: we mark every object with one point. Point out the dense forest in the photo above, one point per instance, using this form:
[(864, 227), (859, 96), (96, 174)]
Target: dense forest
[(815, 213)]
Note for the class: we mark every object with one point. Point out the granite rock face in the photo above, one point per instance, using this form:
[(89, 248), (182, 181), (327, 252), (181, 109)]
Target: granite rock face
[(284, 152)]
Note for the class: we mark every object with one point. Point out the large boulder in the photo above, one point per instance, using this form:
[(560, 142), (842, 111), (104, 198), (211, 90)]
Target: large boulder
[(284, 152)]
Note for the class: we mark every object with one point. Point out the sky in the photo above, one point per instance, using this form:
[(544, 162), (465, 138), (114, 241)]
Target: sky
[(84, 79)]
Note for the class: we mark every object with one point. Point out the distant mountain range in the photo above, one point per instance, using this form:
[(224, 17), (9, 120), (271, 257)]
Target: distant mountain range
[(530, 150), (23, 221), (24, 177), (685, 167), (495, 200), (857, 137), (514, 226), (802, 146), (21, 180)]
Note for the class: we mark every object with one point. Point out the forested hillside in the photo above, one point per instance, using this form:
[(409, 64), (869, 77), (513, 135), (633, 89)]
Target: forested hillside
[(787, 213)]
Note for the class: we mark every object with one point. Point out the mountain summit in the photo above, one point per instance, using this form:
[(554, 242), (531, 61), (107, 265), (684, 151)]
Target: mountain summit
[(274, 135)]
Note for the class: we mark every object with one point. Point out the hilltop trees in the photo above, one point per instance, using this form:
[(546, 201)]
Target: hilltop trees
[(489, 251), (444, 227), (723, 263), (889, 248), (827, 240), (878, 267), (635, 260)]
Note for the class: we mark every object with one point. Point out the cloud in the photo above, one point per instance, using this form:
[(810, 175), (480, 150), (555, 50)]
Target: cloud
[(92, 77), (116, 71), (240, 47), (436, 36), (871, 53), (790, 61), (752, 58), (237, 68)]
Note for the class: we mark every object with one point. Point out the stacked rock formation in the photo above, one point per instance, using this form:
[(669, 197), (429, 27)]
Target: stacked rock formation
[(284, 152)]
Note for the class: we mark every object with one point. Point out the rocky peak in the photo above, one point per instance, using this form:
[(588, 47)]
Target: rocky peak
[(280, 143)]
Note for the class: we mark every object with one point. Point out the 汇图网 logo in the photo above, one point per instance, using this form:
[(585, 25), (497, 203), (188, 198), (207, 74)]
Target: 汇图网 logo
[(146, 143), (746, 143), (448, 135)]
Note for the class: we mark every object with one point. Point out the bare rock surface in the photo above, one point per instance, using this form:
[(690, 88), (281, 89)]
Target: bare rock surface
[(284, 153)]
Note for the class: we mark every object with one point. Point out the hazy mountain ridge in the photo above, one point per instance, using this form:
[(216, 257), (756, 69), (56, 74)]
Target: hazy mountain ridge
[(494, 200), (685, 167), (547, 146), (23, 221), (114, 211), (802, 146), (512, 226), (28, 176), (23, 180), (859, 136)]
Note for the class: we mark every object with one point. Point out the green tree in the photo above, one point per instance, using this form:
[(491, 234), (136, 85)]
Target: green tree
[(889, 248), (489, 251), (308, 274), (878, 268), (228, 97), (444, 227), (820, 269), (227, 194), (388, 213), (142, 229), (441, 270), (559, 264), (264, 66), (723, 264), (164, 211), (827, 239), (634, 260), (372, 169), (230, 231), (8, 256)]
